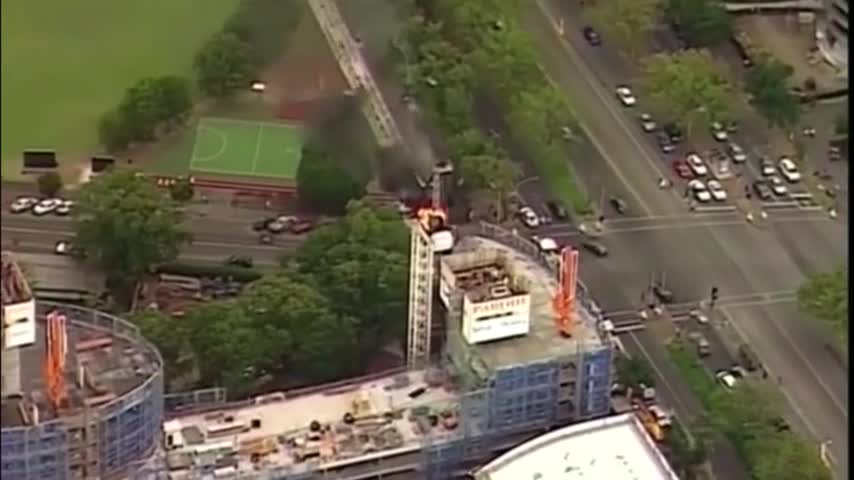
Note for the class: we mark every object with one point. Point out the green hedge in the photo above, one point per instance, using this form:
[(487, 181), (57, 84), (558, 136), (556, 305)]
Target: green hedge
[(197, 270)]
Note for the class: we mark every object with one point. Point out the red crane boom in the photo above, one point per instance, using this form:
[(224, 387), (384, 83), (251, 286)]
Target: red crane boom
[(564, 299)]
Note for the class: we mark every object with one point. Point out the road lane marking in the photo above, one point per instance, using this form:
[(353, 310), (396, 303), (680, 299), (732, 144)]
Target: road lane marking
[(798, 411), (741, 300)]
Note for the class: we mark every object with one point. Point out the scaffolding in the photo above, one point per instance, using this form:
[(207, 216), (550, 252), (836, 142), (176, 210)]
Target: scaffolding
[(421, 271)]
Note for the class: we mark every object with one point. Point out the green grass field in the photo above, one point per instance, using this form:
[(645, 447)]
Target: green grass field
[(65, 63), (246, 148)]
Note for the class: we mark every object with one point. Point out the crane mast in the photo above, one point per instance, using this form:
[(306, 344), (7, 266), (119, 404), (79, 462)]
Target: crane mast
[(564, 299)]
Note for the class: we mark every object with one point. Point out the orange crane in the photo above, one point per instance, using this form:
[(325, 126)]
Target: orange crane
[(564, 299), (55, 353)]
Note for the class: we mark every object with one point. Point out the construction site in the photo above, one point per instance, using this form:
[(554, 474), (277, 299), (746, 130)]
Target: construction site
[(82, 399)]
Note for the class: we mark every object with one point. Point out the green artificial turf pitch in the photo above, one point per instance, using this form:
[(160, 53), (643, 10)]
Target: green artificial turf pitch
[(247, 148), (65, 63)]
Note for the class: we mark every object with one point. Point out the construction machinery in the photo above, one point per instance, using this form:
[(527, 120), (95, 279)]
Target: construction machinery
[(564, 299)]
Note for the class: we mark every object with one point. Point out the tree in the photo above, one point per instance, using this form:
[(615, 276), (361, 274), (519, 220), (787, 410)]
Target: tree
[(703, 23), (311, 340), (628, 22), (487, 173), (825, 296), (634, 371), (767, 83), (174, 97), (688, 87), (168, 334), (49, 184), (323, 184), (127, 226), (223, 66), (114, 131), (182, 190), (785, 457)]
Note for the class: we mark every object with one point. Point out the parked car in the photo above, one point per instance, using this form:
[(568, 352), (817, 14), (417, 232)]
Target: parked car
[(546, 244), (726, 379), (698, 316), (682, 170), (242, 261), (665, 144), (23, 204), (45, 206), (674, 132), (647, 123), (66, 247), (717, 190), (619, 205), (529, 217), (766, 167), (777, 186), (300, 226), (763, 191), (737, 153), (64, 208), (592, 36), (595, 248), (697, 165), (789, 170), (701, 192), (556, 210), (625, 95), (719, 132)]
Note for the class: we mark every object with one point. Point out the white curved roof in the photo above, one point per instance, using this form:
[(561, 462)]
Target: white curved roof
[(612, 448)]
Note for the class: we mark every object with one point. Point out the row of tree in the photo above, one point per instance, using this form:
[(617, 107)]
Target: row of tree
[(459, 53), (688, 86), (225, 64), (825, 297), (750, 416), (329, 307), (321, 317)]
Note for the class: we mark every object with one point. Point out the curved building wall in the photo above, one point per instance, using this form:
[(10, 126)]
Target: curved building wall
[(121, 434)]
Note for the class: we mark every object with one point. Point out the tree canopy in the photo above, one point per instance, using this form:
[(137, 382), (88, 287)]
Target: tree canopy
[(634, 371), (703, 23), (323, 184), (127, 226), (321, 317), (150, 103), (825, 296), (223, 65), (768, 84), (689, 88), (628, 22), (472, 51), (49, 184)]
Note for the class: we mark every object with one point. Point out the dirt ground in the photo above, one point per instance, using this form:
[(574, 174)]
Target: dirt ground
[(306, 71)]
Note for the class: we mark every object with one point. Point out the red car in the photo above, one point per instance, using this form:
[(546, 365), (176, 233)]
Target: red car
[(682, 170)]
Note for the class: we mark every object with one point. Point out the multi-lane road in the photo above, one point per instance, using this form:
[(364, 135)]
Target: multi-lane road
[(736, 257)]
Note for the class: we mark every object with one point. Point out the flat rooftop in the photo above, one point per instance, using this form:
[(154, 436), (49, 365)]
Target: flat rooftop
[(543, 341), (396, 423), (113, 366), (484, 275), (612, 448)]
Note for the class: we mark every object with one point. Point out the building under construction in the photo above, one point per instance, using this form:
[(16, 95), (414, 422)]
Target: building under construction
[(86, 401), (545, 371)]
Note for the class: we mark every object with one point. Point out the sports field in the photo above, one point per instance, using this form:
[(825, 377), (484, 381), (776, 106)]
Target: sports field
[(67, 62), (246, 148)]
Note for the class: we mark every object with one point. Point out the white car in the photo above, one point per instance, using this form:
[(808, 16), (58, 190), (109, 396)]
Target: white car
[(699, 317), (627, 98), (789, 170), (725, 378), (719, 132), (22, 204), (701, 192), (529, 218), (696, 164), (767, 168), (546, 244), (717, 190), (46, 206), (647, 123), (737, 153), (777, 186), (64, 208), (62, 247)]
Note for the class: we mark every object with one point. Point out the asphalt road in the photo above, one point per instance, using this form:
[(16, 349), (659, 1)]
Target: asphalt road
[(737, 259), (214, 239)]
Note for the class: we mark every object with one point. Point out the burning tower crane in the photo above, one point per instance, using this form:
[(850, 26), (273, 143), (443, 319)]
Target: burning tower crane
[(564, 299)]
